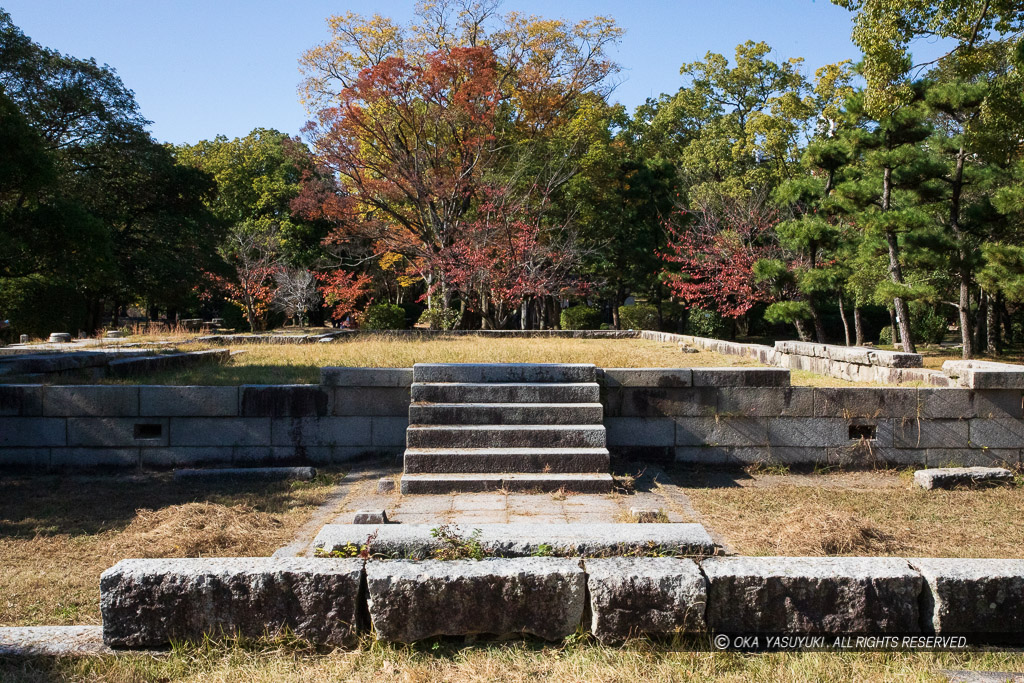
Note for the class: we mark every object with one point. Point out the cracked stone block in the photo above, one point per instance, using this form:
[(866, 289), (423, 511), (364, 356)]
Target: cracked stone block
[(632, 596)]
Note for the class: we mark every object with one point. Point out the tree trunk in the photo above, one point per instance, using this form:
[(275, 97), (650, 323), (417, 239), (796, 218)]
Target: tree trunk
[(1004, 316), (846, 325), (964, 304), (857, 326), (801, 331), (992, 340), (980, 323), (894, 327), (819, 329), (895, 270)]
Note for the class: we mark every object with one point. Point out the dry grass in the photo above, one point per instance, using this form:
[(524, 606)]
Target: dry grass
[(58, 534), (301, 363), (888, 519), (510, 661)]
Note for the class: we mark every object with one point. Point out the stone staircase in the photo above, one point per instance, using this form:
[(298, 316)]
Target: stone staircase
[(517, 426)]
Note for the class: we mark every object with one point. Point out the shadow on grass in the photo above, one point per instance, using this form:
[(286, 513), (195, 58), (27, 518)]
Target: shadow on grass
[(84, 505)]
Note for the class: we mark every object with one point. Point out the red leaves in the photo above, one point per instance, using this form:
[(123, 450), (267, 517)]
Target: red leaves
[(342, 290), (715, 256)]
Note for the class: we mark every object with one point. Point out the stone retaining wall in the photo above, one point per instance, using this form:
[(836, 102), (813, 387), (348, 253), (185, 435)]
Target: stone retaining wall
[(355, 411), (712, 416), (149, 603), (735, 416)]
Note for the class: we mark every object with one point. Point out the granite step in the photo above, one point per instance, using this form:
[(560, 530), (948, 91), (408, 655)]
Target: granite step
[(506, 413), (505, 392), (505, 436), (497, 460), (518, 481), (505, 372)]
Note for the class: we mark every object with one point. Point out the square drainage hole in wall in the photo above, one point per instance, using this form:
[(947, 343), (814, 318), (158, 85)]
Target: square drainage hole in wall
[(858, 432), (148, 431)]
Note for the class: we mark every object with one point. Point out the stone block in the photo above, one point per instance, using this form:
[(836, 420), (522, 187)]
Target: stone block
[(504, 372), (220, 431), (506, 436), (365, 377), (977, 597), (651, 402), (714, 456), (930, 433), (385, 485), (766, 401), (36, 432), (320, 431), (721, 431), (149, 603), (865, 402), (812, 595), (817, 432), (640, 431), (975, 457), (632, 596), (996, 433), (91, 401), (117, 431), (662, 378), (21, 400), (388, 432), (94, 458), (985, 379), (371, 517), (996, 403), (188, 401), (28, 458), (259, 473), (740, 377), (290, 400), (354, 401), (868, 454), (952, 477), (540, 596)]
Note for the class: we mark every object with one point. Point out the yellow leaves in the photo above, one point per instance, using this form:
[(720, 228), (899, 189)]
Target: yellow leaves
[(389, 259), (356, 42)]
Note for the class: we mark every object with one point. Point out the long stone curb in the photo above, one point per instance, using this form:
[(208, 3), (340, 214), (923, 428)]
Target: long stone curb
[(148, 603)]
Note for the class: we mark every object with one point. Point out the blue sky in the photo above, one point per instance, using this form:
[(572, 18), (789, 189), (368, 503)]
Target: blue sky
[(203, 67)]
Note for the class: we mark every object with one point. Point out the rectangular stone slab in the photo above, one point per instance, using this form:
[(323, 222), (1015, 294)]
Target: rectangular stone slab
[(523, 539), (812, 595), (950, 477), (149, 603), (633, 596), (410, 601), (964, 596)]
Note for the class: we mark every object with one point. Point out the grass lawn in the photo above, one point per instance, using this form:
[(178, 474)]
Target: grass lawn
[(58, 534), (579, 660), (855, 513), (301, 363)]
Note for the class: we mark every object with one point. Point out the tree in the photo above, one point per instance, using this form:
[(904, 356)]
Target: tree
[(296, 293), (252, 250)]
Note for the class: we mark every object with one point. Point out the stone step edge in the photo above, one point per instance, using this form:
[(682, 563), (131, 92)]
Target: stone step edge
[(542, 482), (505, 384), (505, 428), (510, 450), (503, 404)]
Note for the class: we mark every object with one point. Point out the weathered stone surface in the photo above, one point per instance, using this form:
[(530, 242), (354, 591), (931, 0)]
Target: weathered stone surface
[(148, 603), (506, 436), (808, 432), (365, 377), (504, 372), (410, 601), (505, 413), (670, 402), (524, 539), (388, 432), (930, 434), (21, 400), (865, 402), (949, 477), (370, 401), (220, 431), (645, 515), (536, 482), (371, 517), (766, 401), (290, 400), (321, 431), (483, 460), (662, 378), (640, 431), (385, 485), (794, 595), (32, 431), (644, 596), (117, 431), (59, 338), (52, 641), (721, 431), (997, 433), (537, 392), (124, 367), (740, 377), (966, 596), (188, 401), (91, 401), (88, 458)]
